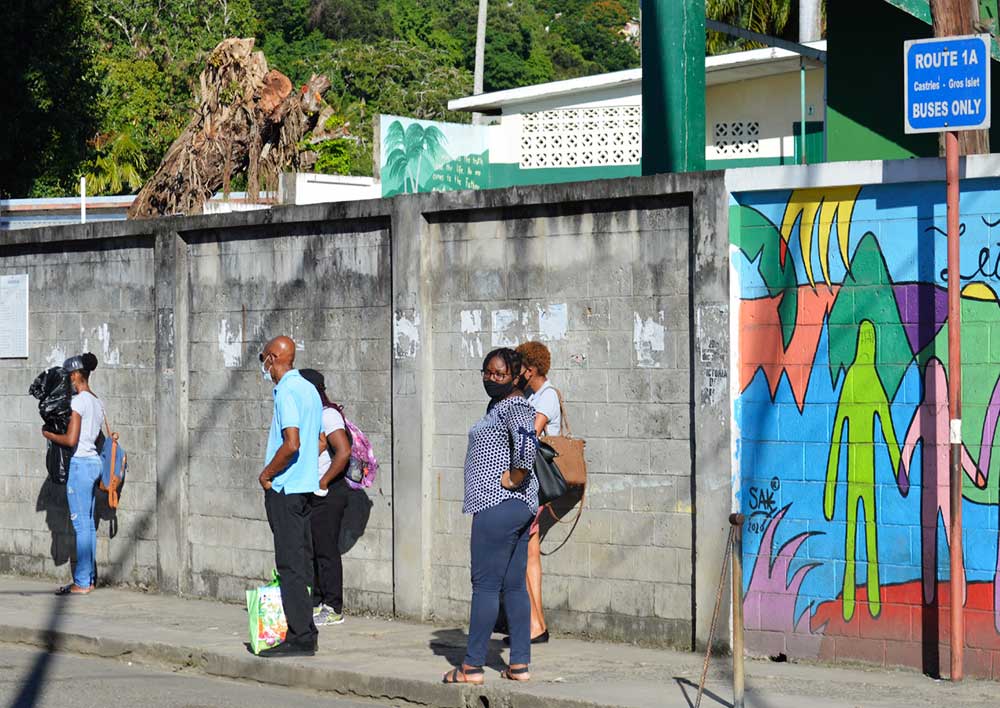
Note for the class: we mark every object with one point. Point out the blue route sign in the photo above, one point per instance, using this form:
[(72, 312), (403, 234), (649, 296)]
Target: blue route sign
[(946, 83)]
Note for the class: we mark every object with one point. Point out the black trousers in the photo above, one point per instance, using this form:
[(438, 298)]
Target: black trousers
[(288, 516), (328, 569)]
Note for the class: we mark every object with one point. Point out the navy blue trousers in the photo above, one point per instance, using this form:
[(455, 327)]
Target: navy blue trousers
[(499, 561)]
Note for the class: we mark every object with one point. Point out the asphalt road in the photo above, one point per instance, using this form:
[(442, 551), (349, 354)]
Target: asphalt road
[(30, 678)]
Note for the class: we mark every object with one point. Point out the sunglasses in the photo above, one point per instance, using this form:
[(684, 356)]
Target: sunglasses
[(263, 355)]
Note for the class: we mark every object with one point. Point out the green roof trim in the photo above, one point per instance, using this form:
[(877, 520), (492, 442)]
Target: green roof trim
[(921, 9)]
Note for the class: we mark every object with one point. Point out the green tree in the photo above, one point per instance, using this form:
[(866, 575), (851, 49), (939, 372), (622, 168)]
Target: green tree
[(351, 19), (118, 167), (49, 82), (596, 30), (149, 56), (769, 17), (394, 78)]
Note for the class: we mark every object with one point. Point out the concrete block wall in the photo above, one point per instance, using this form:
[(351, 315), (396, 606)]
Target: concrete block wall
[(96, 298), (327, 288), (396, 301), (607, 289)]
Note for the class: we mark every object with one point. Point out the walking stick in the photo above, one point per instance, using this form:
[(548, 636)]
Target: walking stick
[(715, 614), (736, 521)]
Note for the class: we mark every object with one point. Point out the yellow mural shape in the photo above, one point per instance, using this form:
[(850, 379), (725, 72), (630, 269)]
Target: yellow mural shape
[(979, 291), (829, 204)]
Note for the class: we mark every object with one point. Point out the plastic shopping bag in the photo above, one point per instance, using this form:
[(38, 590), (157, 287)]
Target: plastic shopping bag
[(267, 618)]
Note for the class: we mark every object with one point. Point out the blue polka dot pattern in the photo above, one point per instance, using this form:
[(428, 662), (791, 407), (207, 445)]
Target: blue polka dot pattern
[(503, 439)]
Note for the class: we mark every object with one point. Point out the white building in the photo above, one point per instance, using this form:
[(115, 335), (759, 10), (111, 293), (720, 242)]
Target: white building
[(753, 105)]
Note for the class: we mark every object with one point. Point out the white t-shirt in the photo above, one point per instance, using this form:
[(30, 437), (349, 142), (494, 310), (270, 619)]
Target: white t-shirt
[(332, 421), (546, 401), (91, 412)]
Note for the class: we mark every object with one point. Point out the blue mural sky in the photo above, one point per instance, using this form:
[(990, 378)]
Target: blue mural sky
[(778, 442), (890, 213)]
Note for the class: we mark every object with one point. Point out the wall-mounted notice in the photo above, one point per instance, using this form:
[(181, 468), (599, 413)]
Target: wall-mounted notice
[(14, 316)]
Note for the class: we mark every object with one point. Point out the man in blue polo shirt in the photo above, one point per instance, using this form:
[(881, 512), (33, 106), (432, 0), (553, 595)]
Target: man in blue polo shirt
[(290, 476)]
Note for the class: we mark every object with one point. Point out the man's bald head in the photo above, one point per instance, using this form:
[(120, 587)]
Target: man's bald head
[(283, 349), (278, 357)]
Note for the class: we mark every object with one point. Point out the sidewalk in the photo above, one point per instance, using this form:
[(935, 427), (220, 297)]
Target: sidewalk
[(401, 662)]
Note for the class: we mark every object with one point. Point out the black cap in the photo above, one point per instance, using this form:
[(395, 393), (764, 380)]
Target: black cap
[(314, 377), (74, 363)]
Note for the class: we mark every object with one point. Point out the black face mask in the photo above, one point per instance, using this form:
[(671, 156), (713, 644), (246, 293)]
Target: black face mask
[(498, 390)]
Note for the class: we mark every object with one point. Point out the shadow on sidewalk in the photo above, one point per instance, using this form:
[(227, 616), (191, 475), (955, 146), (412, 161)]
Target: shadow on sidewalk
[(683, 684), (33, 684), (52, 500), (451, 644)]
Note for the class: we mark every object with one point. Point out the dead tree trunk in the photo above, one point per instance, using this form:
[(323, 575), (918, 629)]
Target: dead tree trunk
[(248, 120), (957, 17)]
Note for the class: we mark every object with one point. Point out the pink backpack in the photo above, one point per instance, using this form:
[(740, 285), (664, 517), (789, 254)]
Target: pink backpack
[(362, 467)]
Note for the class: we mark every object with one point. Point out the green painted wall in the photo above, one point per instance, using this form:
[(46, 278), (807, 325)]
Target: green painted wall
[(512, 175), (748, 162), (865, 82), (865, 78)]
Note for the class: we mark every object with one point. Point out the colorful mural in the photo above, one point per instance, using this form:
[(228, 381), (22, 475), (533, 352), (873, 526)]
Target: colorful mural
[(842, 413)]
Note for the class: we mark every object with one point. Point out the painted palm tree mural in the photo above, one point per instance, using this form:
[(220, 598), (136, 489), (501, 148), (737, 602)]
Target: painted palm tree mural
[(412, 153), (431, 156), (843, 420)]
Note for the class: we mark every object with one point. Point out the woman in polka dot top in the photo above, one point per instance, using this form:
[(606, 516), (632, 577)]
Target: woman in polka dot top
[(501, 492)]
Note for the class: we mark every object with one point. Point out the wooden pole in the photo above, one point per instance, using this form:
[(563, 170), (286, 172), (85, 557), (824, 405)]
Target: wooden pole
[(958, 17), (738, 677)]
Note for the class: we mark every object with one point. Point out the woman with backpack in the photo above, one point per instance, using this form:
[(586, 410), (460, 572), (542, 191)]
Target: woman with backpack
[(84, 469), (328, 507), (501, 493)]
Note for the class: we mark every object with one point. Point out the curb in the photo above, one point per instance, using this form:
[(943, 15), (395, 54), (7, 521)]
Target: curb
[(289, 674)]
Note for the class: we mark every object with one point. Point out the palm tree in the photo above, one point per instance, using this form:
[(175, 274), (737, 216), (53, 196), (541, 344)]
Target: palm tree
[(410, 151), (764, 16), (119, 164)]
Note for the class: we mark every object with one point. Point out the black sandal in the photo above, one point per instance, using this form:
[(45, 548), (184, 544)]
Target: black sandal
[(509, 673), (452, 676)]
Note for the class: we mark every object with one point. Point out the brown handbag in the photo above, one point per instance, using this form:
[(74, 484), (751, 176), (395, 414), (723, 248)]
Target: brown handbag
[(570, 450)]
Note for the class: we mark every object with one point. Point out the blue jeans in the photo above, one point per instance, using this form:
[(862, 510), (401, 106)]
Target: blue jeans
[(83, 475), (499, 562)]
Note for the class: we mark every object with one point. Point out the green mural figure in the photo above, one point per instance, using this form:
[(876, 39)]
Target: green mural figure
[(863, 405)]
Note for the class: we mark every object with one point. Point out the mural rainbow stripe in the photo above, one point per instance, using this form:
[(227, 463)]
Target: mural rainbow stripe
[(842, 412)]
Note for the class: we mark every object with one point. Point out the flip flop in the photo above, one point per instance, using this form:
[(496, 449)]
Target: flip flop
[(510, 674), (68, 590), (452, 676)]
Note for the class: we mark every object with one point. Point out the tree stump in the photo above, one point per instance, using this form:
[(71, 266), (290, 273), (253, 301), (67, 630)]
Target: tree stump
[(249, 119)]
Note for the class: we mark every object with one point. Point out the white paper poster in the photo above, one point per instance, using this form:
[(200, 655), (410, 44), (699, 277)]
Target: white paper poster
[(14, 316)]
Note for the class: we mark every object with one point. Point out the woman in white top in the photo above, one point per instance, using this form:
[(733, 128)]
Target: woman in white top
[(84, 469), (328, 507), (536, 360)]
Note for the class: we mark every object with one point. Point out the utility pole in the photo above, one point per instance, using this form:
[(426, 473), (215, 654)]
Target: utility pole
[(477, 80), (810, 24), (953, 18)]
